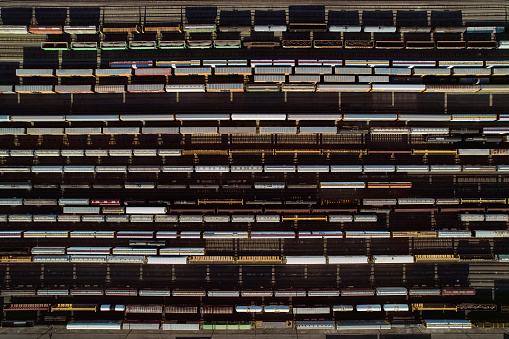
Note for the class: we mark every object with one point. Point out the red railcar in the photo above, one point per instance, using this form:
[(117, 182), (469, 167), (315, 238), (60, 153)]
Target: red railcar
[(105, 202), (46, 29), (498, 209)]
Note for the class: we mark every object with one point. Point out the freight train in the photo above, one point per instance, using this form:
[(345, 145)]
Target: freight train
[(226, 24), (301, 324), (278, 293), (449, 118), (242, 87), (179, 41), (270, 169), (262, 70)]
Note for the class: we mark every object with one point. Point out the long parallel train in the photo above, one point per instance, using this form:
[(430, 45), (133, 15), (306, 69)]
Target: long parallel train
[(239, 87), (74, 211), (151, 214), (114, 205), (270, 75), (433, 135), (268, 70), (254, 168), (212, 27), (223, 309), (465, 117), (270, 169), (295, 309), (476, 117), (288, 42), (5, 234), (330, 325), (276, 72), (179, 292), (115, 215), (42, 253)]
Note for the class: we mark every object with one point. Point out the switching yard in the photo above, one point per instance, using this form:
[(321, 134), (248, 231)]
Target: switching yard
[(233, 170)]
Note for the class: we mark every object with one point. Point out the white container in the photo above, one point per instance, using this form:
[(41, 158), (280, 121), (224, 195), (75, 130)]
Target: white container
[(145, 210), (159, 260), (351, 259), (305, 260), (396, 259), (174, 326)]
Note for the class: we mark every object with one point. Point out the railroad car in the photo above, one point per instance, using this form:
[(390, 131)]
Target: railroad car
[(325, 185)]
